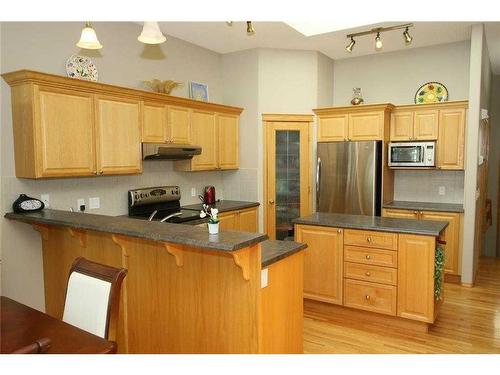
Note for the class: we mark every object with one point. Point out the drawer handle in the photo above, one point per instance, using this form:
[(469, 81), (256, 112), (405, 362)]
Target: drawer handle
[(369, 239), (367, 256), (367, 273), (367, 297)]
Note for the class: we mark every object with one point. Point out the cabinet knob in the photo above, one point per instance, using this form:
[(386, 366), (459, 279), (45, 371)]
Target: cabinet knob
[(367, 297), (367, 257), (368, 273), (101, 172), (271, 201), (95, 172), (369, 239), (339, 230), (421, 213)]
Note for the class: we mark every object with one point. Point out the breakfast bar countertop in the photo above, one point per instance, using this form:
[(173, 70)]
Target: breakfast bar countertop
[(150, 230), (425, 206), (375, 223), (274, 251)]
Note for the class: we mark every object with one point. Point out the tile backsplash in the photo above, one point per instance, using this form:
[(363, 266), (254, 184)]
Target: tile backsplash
[(424, 186)]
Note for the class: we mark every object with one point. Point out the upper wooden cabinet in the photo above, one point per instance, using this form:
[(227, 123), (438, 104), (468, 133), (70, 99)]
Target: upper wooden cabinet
[(426, 125), (417, 125), (451, 140), (354, 123), (67, 127)]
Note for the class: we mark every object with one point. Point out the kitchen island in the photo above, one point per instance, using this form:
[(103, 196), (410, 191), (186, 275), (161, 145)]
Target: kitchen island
[(376, 268), (186, 291)]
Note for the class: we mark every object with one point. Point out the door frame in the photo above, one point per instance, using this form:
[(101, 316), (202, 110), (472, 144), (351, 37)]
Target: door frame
[(270, 123)]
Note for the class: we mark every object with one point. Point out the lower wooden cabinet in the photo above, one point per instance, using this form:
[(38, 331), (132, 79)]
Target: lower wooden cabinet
[(323, 262), (370, 296), (245, 220)]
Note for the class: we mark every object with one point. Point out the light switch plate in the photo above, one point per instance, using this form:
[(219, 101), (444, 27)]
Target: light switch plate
[(193, 192), (45, 198), (442, 190), (94, 203), (264, 278)]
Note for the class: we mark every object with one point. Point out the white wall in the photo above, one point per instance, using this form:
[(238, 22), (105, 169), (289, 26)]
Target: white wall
[(123, 61), (395, 76)]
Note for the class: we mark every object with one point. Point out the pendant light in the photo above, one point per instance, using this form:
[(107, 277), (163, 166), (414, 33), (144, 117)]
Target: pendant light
[(407, 37), (151, 34), (350, 46), (378, 42), (88, 39)]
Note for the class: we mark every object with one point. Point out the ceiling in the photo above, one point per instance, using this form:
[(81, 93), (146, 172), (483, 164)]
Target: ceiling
[(221, 38)]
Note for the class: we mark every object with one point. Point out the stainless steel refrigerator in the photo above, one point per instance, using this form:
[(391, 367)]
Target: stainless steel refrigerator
[(349, 177)]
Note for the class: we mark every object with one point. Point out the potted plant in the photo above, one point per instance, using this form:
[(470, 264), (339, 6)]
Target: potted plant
[(213, 221)]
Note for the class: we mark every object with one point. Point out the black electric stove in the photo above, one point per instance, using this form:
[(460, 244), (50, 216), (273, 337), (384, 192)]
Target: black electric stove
[(161, 203)]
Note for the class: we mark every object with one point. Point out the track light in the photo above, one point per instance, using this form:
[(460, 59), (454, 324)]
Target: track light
[(350, 45), (407, 37), (250, 29), (229, 23), (88, 39), (378, 42)]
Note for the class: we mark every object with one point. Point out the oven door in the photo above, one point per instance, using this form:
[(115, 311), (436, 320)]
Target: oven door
[(406, 154)]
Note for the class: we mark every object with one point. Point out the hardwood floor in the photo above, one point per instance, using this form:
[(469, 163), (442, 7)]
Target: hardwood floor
[(469, 322)]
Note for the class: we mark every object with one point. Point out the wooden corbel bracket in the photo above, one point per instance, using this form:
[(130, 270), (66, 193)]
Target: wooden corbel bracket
[(176, 252), (120, 241), (43, 230), (242, 260), (80, 234)]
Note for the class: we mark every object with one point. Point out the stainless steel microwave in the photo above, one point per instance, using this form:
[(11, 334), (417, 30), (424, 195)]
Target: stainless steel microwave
[(412, 154)]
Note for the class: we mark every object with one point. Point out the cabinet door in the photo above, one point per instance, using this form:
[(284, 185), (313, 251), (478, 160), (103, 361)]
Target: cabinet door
[(367, 126), (323, 262), (249, 221), (229, 140), (426, 125), (66, 146), (228, 221), (204, 134), (400, 214), (118, 130), (154, 123), (178, 125), (416, 277), (451, 139), (333, 128), (401, 126), (452, 237)]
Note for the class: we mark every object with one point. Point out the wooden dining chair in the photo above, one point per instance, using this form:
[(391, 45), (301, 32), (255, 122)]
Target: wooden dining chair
[(40, 346), (93, 297)]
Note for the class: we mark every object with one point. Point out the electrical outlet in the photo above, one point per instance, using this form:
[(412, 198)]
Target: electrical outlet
[(80, 203), (193, 192), (264, 277), (94, 203), (442, 190), (45, 198)]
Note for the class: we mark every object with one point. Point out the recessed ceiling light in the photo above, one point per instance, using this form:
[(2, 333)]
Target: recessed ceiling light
[(321, 27)]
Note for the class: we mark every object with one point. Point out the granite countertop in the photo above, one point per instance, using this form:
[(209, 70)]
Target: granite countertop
[(376, 223), (426, 206), (224, 205), (274, 251), (174, 233)]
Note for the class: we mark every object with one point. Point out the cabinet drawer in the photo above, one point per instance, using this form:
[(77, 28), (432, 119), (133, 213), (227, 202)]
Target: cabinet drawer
[(366, 272), (370, 296), (381, 240), (377, 257)]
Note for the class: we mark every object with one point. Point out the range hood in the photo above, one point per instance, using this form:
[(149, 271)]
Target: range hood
[(169, 151)]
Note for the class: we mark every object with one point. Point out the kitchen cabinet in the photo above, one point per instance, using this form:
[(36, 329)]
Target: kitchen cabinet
[(323, 262), (452, 234), (451, 140), (361, 123), (118, 134), (418, 125), (416, 256), (64, 127), (245, 220)]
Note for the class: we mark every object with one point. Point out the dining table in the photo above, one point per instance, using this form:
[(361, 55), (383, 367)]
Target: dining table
[(22, 326)]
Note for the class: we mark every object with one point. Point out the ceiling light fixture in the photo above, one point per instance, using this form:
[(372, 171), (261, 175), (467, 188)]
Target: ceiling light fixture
[(250, 29), (378, 40), (88, 39), (351, 44), (151, 34), (407, 37)]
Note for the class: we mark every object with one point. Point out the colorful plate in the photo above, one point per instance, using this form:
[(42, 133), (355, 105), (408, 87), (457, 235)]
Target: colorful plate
[(81, 67), (431, 92)]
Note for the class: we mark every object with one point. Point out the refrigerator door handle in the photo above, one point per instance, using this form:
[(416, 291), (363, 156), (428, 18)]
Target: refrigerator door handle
[(318, 182)]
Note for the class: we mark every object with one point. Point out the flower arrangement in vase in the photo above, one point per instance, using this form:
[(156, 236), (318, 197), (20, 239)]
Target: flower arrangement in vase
[(213, 221)]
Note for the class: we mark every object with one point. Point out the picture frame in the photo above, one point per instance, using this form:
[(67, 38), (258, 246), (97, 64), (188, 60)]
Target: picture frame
[(198, 91)]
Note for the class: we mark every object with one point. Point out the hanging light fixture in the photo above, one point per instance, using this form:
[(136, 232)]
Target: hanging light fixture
[(351, 44), (407, 37), (378, 42), (88, 39), (151, 34), (250, 29)]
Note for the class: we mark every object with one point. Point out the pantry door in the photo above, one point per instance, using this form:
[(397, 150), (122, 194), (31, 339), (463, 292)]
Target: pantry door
[(287, 173)]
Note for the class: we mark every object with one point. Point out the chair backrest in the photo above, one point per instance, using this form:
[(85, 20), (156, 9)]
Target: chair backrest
[(93, 297), (40, 346)]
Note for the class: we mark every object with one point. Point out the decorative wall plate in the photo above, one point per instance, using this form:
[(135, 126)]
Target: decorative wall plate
[(81, 67), (431, 92)]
